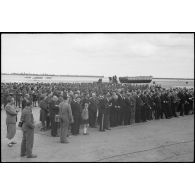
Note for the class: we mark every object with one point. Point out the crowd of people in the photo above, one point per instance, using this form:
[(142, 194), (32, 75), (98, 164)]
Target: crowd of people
[(70, 106)]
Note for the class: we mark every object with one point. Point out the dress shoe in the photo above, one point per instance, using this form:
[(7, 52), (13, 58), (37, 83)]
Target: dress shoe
[(22, 155), (108, 129), (32, 156)]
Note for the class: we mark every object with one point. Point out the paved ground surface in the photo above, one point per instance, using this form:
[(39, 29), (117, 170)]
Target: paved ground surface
[(155, 141)]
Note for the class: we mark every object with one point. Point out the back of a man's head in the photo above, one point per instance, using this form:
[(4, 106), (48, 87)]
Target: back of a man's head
[(65, 97), (28, 103)]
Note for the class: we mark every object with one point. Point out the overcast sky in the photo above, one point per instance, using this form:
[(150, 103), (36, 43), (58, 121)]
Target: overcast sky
[(159, 55)]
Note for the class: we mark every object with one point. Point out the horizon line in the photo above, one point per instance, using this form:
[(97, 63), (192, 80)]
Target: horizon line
[(72, 75)]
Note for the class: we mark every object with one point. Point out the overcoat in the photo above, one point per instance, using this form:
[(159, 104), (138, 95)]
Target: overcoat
[(43, 111), (11, 120)]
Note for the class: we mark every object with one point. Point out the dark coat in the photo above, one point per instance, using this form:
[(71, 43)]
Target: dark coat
[(43, 111), (27, 119), (76, 109), (93, 105)]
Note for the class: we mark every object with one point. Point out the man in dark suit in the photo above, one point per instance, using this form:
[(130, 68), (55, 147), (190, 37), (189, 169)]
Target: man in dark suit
[(120, 108), (132, 99), (104, 112), (157, 105), (143, 107), (76, 112), (139, 104), (127, 109), (114, 111), (93, 107), (54, 110)]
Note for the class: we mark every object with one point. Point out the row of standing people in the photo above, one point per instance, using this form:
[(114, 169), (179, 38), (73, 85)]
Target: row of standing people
[(118, 108)]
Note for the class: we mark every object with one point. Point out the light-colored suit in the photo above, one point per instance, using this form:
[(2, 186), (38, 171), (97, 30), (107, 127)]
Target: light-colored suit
[(66, 118), (11, 120), (11, 114)]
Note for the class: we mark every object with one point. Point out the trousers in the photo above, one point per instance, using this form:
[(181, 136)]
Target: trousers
[(63, 131), (27, 142)]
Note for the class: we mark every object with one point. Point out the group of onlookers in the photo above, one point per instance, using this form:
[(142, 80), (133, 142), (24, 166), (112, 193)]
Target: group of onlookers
[(66, 107)]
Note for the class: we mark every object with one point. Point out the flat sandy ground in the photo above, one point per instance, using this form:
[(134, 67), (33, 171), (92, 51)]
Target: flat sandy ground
[(165, 140)]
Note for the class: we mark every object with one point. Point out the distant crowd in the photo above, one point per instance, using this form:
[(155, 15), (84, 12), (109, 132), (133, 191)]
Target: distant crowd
[(70, 106), (118, 104)]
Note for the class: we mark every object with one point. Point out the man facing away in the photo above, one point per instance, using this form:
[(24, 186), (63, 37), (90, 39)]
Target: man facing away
[(66, 118), (28, 131)]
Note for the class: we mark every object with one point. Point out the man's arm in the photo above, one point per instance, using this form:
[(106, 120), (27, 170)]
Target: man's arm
[(29, 121), (10, 110)]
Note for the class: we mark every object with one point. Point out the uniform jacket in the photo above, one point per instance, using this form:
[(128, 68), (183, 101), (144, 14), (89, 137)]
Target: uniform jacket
[(65, 112), (27, 119)]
